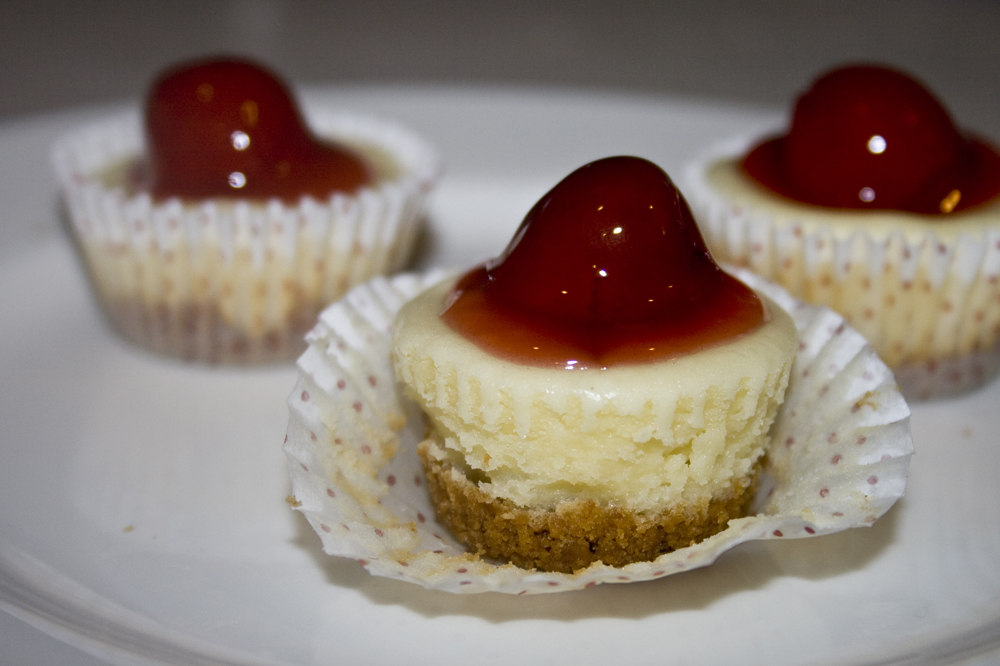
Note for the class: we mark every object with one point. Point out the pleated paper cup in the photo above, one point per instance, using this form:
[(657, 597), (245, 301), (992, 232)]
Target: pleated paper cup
[(839, 455), (229, 281), (924, 290)]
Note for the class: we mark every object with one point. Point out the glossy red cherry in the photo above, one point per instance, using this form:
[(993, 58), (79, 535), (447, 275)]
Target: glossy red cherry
[(867, 137), (230, 128), (608, 267)]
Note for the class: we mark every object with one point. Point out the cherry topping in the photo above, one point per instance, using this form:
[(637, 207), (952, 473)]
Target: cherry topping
[(868, 137), (607, 268), (230, 128)]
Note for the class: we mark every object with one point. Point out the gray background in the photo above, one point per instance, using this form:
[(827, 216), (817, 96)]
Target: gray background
[(58, 54)]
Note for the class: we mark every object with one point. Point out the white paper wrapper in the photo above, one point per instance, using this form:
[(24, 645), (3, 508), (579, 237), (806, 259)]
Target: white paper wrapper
[(925, 292), (840, 454), (226, 282)]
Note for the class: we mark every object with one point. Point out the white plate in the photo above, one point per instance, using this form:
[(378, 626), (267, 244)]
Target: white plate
[(141, 502)]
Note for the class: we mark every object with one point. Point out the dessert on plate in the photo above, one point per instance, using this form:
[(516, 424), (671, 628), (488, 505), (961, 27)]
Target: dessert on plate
[(838, 459), (875, 204), (601, 391), (218, 226)]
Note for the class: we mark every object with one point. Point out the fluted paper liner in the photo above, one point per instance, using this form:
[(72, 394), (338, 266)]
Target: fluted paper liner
[(233, 281), (926, 295), (839, 458)]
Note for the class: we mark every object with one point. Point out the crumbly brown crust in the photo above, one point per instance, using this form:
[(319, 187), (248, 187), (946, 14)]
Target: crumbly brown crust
[(577, 533), (200, 333)]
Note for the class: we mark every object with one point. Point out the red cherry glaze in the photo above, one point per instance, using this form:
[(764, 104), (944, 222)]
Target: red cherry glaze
[(230, 128), (607, 268), (871, 138)]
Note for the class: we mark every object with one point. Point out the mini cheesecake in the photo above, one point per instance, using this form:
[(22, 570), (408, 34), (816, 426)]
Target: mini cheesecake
[(875, 204), (601, 391), (217, 226)]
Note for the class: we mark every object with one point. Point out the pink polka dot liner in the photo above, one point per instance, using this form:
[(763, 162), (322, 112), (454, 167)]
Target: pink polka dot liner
[(839, 458)]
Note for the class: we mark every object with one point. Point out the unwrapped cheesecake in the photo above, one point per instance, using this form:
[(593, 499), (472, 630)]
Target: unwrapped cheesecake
[(601, 391)]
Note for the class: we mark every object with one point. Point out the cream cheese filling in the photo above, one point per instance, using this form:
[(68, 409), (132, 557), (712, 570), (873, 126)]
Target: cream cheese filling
[(639, 436), (728, 179)]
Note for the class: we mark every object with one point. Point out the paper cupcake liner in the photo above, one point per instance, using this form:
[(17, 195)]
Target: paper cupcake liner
[(928, 302), (236, 282), (839, 458)]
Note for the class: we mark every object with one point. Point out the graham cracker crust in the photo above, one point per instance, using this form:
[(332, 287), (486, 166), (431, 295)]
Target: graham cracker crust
[(576, 533), (199, 333)]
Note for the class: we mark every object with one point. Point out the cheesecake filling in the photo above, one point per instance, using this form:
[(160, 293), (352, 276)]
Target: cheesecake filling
[(639, 437)]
